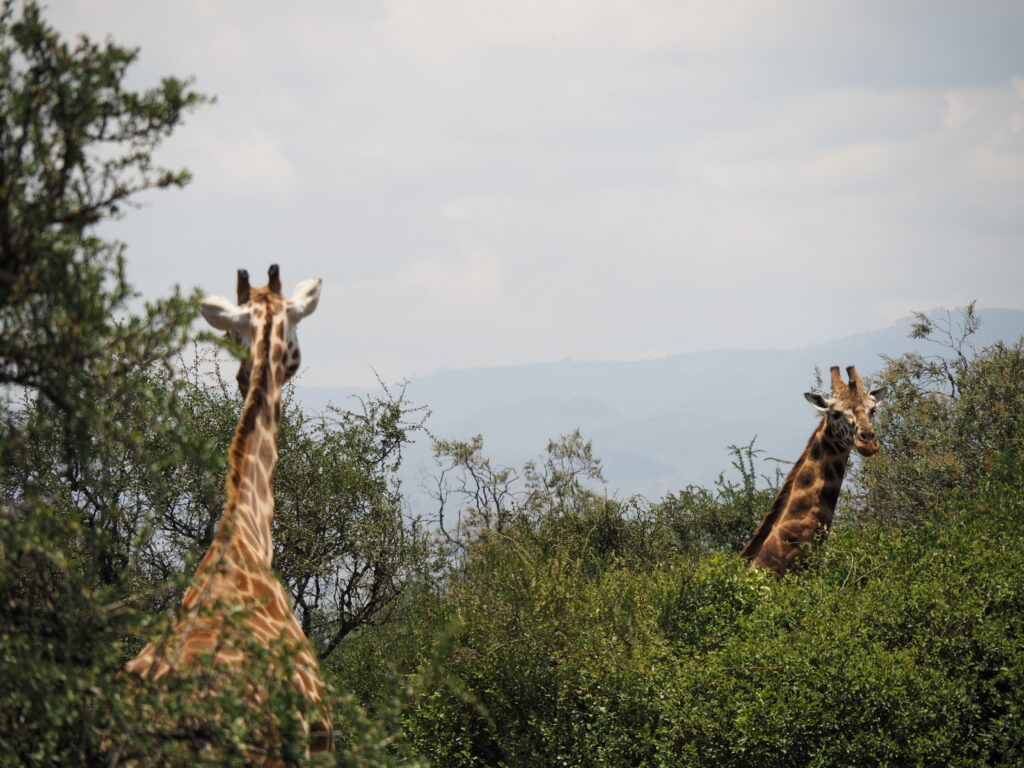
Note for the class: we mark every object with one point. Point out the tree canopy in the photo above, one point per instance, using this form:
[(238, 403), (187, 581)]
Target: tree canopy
[(541, 621), (113, 445)]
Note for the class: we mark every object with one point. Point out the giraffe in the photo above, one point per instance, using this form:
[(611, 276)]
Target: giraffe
[(236, 570), (806, 503)]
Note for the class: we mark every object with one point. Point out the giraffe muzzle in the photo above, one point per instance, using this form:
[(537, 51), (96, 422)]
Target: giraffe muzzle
[(867, 447)]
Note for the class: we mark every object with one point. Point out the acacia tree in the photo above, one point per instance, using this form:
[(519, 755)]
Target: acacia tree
[(343, 545), (947, 415), (75, 148), (346, 550), (107, 488), (472, 493), (475, 496)]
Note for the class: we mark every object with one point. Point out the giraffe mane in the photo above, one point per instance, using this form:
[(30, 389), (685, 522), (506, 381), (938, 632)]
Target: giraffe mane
[(768, 522), (255, 400)]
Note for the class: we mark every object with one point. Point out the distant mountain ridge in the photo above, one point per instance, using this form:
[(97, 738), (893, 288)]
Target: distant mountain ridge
[(658, 424)]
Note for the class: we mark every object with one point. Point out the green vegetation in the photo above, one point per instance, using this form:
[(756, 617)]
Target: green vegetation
[(568, 628), (113, 457), (539, 622), (609, 633), (949, 417), (897, 646)]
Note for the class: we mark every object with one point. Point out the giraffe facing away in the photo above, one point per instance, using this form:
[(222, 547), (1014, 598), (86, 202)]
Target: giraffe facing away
[(806, 504), (236, 570)]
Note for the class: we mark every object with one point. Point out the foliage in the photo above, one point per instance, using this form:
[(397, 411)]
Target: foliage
[(113, 453), (947, 416), (75, 147), (894, 648), (66, 700), (552, 624), (558, 486), (472, 494), (346, 550), (487, 497), (611, 633), (702, 520)]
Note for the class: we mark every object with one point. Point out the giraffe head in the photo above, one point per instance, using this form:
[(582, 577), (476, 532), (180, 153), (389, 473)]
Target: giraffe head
[(849, 411), (263, 315)]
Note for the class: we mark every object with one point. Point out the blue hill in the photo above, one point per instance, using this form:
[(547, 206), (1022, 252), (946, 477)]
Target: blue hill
[(658, 424)]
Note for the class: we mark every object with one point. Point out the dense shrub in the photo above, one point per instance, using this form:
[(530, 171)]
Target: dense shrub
[(613, 633), (553, 626), (895, 647), (112, 461), (701, 520), (947, 416)]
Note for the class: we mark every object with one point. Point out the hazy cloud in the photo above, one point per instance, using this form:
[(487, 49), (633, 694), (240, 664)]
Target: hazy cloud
[(487, 181)]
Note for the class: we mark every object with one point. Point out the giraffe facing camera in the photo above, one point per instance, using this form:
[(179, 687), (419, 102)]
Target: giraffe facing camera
[(806, 504)]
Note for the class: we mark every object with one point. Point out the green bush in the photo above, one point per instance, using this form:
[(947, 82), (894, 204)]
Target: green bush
[(702, 520), (552, 626), (946, 418), (894, 648), (112, 458)]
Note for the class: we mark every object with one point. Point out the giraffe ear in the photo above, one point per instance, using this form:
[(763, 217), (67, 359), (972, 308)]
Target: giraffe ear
[(221, 313), (304, 299), (818, 401), (879, 394)]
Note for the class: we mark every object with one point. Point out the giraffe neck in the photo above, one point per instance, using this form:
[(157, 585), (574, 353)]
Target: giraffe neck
[(824, 464), (249, 511), (811, 487)]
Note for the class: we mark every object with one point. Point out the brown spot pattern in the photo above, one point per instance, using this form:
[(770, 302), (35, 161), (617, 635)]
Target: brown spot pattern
[(800, 509), (234, 567), (830, 495)]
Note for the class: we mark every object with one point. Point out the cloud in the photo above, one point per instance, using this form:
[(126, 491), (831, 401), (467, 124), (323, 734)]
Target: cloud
[(990, 123), (852, 163), (487, 181), (452, 27), (242, 163), (474, 279), (472, 208)]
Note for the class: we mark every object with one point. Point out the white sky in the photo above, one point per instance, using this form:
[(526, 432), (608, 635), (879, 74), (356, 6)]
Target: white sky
[(486, 182)]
